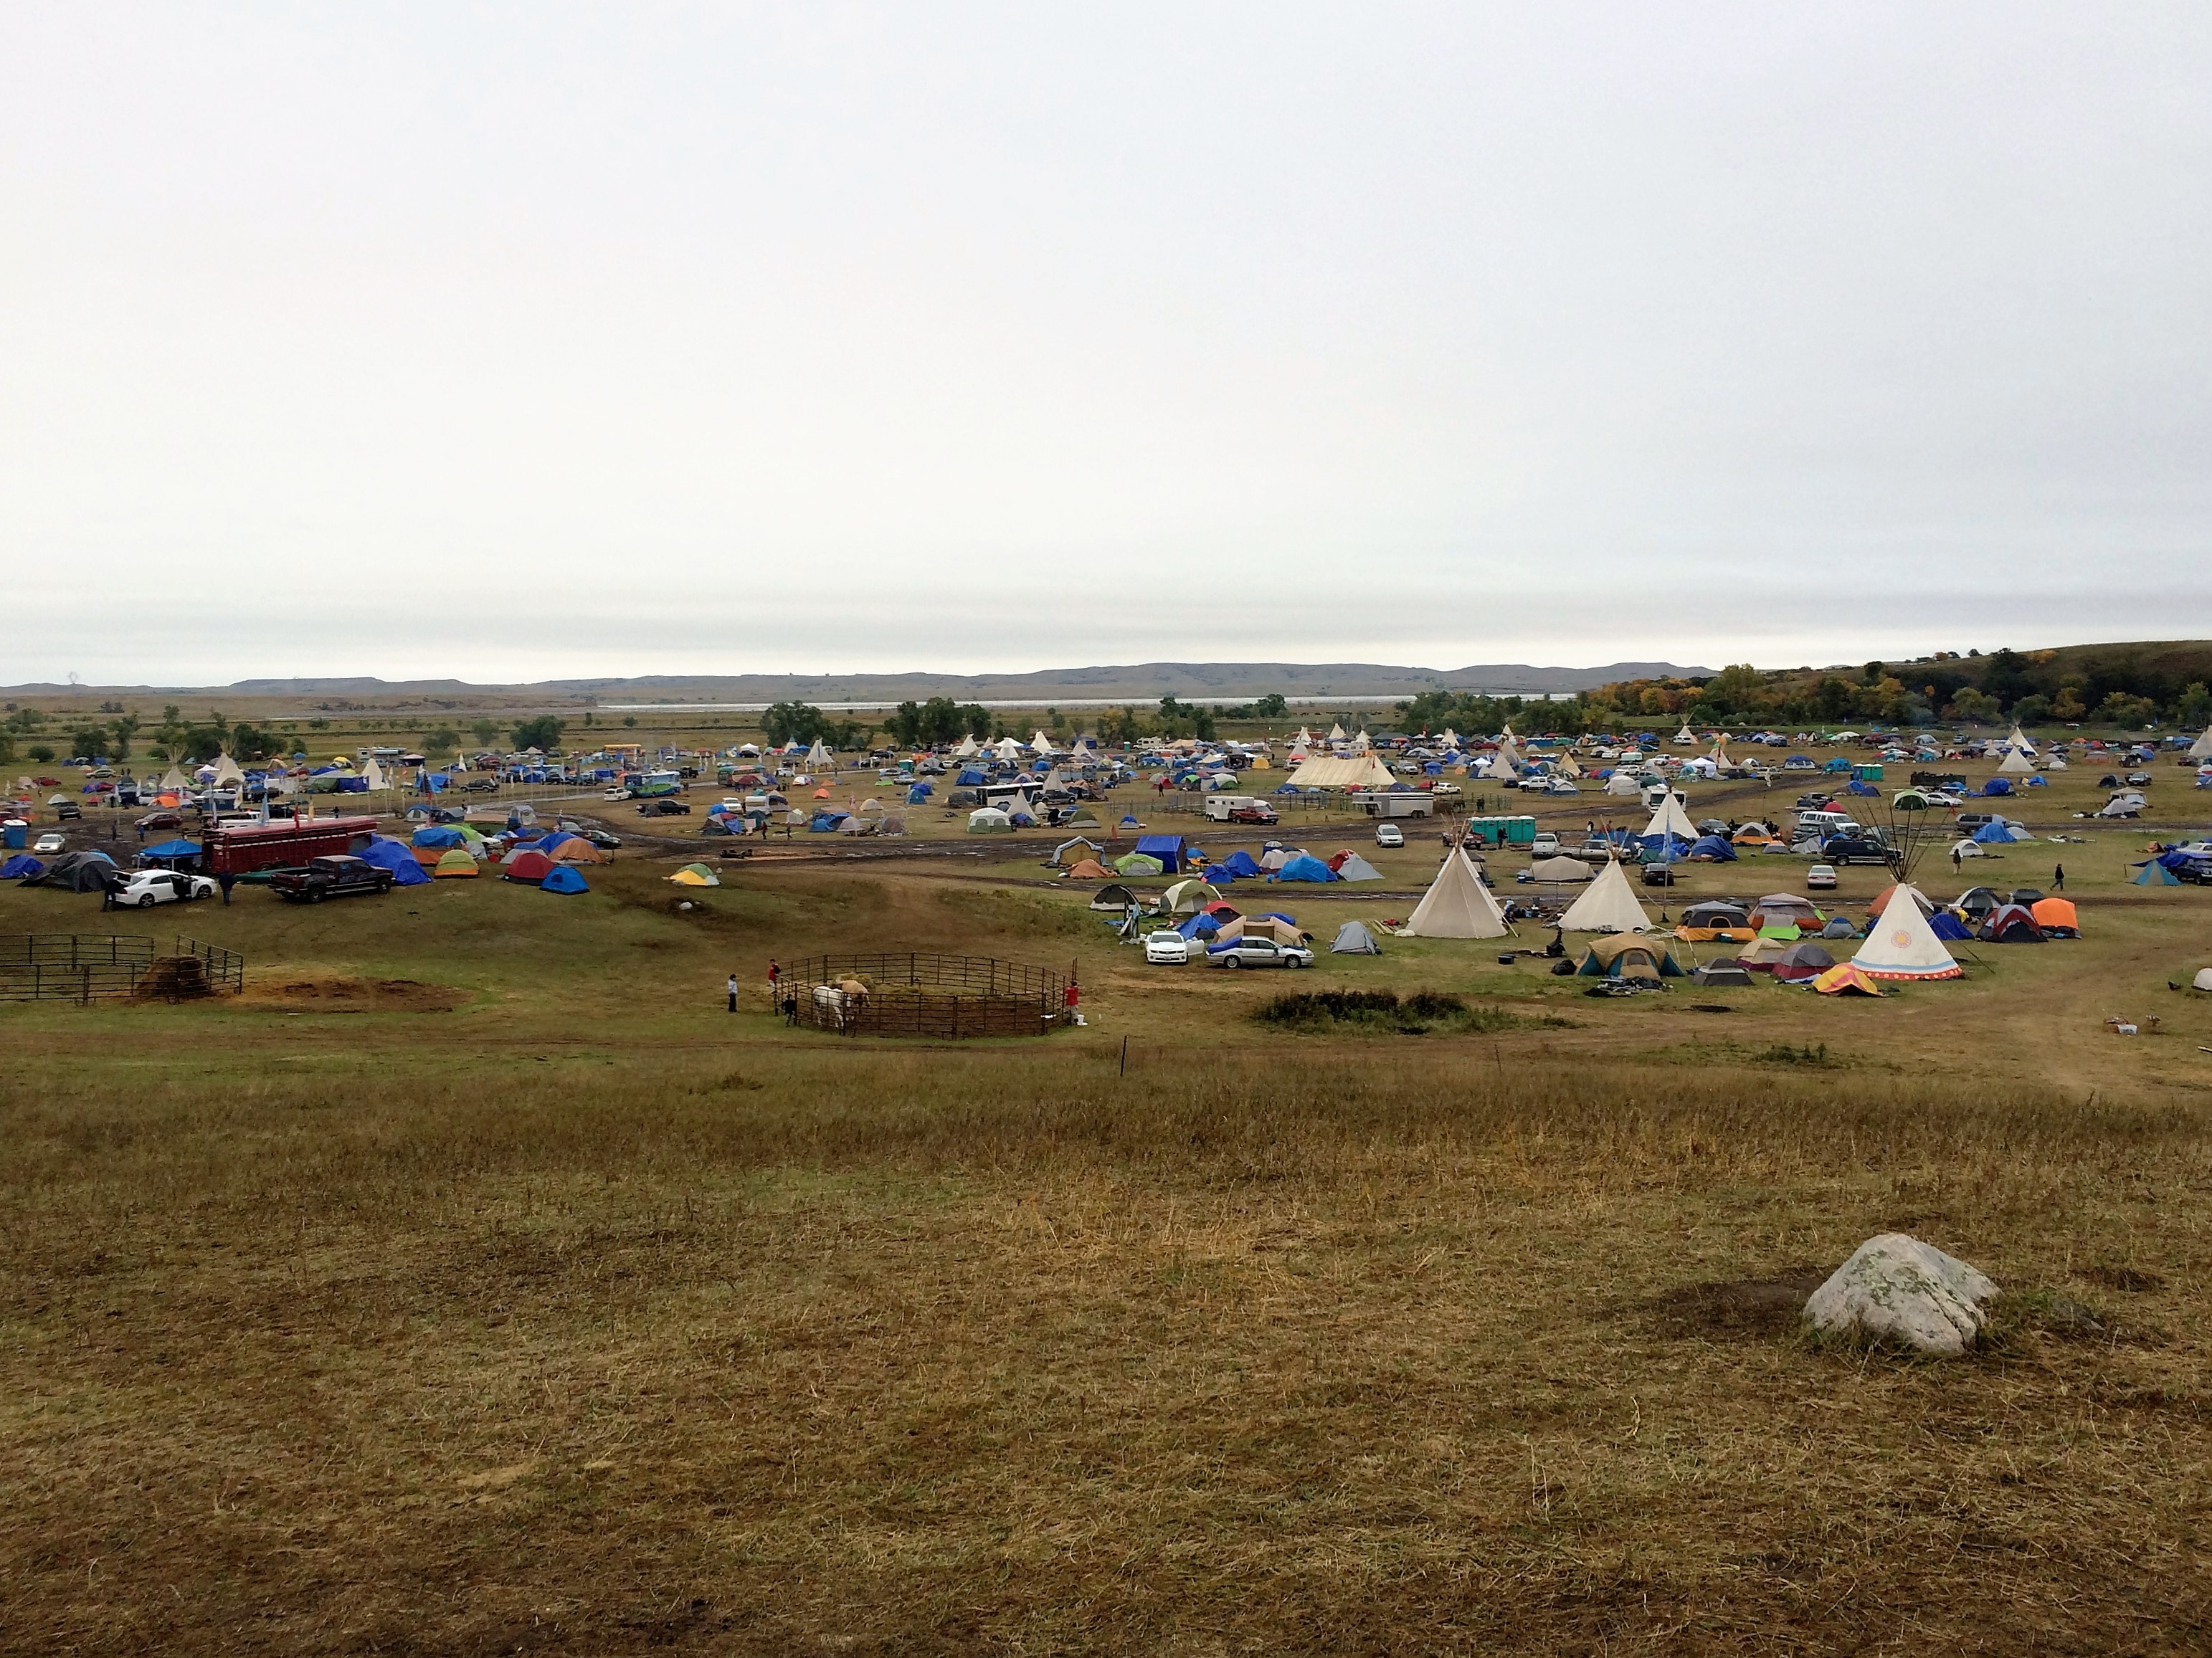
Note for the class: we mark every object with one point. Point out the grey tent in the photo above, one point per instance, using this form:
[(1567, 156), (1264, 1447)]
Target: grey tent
[(1114, 897), (1839, 927), (1727, 976), (1353, 939), (1356, 868), (79, 871)]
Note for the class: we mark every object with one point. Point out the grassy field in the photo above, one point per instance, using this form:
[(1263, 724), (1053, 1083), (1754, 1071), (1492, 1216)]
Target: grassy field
[(476, 1284)]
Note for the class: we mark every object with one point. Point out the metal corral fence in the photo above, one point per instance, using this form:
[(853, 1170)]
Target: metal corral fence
[(85, 967), (924, 995)]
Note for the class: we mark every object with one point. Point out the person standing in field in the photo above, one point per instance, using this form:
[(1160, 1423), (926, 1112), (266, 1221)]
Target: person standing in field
[(734, 993), (775, 977), (2059, 878)]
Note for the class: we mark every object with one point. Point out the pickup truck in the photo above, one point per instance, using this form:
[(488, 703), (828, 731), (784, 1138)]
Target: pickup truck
[(340, 877)]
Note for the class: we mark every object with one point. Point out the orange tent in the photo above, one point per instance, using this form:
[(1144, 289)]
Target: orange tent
[(1846, 980), (1089, 870), (2057, 915)]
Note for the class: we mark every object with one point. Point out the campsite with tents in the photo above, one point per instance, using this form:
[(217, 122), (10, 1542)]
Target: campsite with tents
[(1474, 1252)]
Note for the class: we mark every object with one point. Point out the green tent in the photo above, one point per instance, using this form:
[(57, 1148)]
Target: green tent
[(1139, 863)]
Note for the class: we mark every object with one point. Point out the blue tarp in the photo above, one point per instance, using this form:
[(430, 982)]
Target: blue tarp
[(1947, 927), (1305, 867), (1997, 786), (563, 879), (173, 849), (21, 863), (1239, 862), (824, 823), (385, 853), (439, 835), (918, 795), (1713, 846), (1997, 833), (971, 779)]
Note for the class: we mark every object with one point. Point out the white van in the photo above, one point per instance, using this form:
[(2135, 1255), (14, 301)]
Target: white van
[(1826, 825)]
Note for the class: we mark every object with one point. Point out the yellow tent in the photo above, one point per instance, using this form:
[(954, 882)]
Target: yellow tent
[(456, 862), (695, 875)]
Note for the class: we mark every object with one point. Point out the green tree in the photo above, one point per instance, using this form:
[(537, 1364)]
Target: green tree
[(1273, 706), (1974, 705), (541, 732), (486, 731), (41, 752), (2193, 706), (442, 741), (791, 722)]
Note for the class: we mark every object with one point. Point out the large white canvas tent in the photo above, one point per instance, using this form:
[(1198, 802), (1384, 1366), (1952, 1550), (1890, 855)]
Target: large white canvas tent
[(1456, 905), (1622, 782), (227, 771), (2019, 753), (966, 747), (2201, 750), (1043, 744), (1902, 946), (1364, 771), (1671, 819), (372, 773), (1606, 905), (1687, 737), (172, 781), (818, 758)]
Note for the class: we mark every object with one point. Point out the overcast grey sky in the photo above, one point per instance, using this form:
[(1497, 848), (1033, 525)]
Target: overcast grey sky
[(528, 341)]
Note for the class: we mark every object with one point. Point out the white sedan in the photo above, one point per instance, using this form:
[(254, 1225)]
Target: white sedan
[(145, 888), (50, 843), (1167, 947)]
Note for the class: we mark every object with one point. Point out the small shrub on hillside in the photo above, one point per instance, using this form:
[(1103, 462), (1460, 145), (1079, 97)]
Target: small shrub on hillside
[(1384, 1010)]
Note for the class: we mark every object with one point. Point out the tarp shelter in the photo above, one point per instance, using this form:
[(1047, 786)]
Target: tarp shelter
[(1239, 865), (2010, 924), (1997, 786), (1356, 868), (1353, 939), (695, 875), (1168, 848), (526, 865), (1711, 848), (1949, 928), (562, 879), (1456, 905), (170, 852), (1722, 975), (454, 863), (1847, 978), (1137, 862), (438, 835), (1606, 905), (1304, 866), (2057, 917), (1560, 871), (21, 867), (1626, 956), (385, 853), (1364, 771)]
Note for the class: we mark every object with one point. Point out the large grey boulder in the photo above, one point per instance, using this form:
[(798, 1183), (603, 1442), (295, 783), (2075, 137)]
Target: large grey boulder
[(1897, 1288)]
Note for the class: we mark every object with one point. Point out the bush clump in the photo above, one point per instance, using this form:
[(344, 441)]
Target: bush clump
[(1382, 1010)]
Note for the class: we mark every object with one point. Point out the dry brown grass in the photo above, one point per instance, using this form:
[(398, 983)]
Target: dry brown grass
[(781, 1349)]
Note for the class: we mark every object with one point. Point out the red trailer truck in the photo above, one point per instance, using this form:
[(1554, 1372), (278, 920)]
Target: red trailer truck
[(282, 843)]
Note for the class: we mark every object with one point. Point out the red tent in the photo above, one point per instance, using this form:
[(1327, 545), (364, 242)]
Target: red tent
[(531, 866)]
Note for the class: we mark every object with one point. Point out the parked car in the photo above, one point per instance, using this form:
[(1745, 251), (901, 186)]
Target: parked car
[(1253, 814), (664, 809), (69, 812), (1262, 952), (1846, 849), (1658, 875), (51, 841), (1389, 835), (1821, 877), (340, 876), (1970, 820), (1167, 947), (1546, 844), (2138, 779), (142, 889), (158, 820), (601, 838), (481, 786)]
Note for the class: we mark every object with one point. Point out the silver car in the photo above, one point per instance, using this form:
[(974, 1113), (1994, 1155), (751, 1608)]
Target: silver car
[(1261, 952)]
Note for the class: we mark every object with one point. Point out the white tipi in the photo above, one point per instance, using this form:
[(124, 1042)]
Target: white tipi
[(1671, 819), (1456, 905), (1902, 946), (227, 771), (372, 773), (2201, 750), (1606, 905), (2019, 753)]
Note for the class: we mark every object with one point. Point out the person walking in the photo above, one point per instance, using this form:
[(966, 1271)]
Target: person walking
[(1955, 863), (775, 977), (734, 993), (225, 881), (2059, 878)]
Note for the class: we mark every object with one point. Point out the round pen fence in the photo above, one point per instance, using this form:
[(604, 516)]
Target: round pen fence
[(921, 995), (90, 966)]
